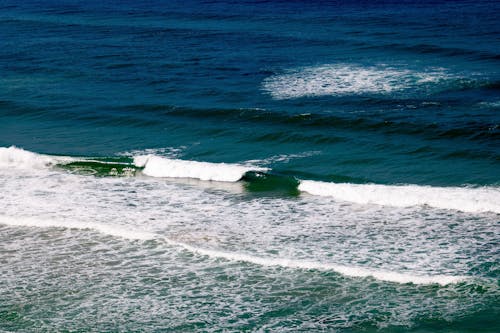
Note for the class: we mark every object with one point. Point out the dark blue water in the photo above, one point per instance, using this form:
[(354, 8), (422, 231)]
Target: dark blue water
[(389, 93), (94, 78)]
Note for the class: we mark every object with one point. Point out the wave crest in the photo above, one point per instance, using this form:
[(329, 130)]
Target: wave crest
[(156, 166), (485, 199), (14, 157)]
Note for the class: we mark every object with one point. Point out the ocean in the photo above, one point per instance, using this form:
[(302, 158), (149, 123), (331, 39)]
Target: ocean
[(257, 166)]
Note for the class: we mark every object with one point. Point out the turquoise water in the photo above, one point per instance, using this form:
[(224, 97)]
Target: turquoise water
[(249, 166)]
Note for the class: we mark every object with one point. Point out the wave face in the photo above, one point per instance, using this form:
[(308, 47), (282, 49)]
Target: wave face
[(345, 79), (156, 166), (464, 199)]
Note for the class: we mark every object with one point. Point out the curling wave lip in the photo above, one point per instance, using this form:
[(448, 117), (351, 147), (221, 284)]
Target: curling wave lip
[(156, 166)]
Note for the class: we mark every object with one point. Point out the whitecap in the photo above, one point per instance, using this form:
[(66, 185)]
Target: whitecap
[(156, 166), (466, 199), (14, 157), (347, 79)]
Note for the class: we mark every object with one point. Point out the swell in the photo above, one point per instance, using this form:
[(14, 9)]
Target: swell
[(432, 49), (121, 232), (152, 115), (471, 130), (74, 112)]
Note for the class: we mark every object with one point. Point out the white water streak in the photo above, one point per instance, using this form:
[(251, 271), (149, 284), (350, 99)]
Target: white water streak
[(119, 231)]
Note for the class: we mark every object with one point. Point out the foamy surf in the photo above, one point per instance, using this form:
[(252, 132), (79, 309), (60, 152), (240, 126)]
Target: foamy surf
[(111, 230), (484, 199), (122, 232), (18, 158), (314, 265), (347, 79), (156, 166)]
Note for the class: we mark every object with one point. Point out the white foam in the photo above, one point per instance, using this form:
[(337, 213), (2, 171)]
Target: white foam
[(112, 230), (484, 199), (283, 158), (14, 157), (156, 166), (119, 231), (493, 104), (304, 264), (171, 152), (347, 79)]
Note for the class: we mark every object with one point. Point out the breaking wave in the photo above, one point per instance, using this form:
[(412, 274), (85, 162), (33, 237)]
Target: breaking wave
[(484, 199), (151, 165), (156, 166), (14, 157)]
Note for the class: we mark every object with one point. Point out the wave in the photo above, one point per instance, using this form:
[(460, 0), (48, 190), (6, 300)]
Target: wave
[(14, 157), (151, 165), (259, 179), (146, 115), (477, 130), (346, 79), (120, 231), (18, 158), (156, 166), (484, 199), (423, 48)]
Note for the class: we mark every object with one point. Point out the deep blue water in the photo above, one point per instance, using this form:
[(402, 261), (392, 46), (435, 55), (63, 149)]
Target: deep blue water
[(363, 92)]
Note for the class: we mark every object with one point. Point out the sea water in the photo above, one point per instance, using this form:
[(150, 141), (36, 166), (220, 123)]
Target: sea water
[(249, 166)]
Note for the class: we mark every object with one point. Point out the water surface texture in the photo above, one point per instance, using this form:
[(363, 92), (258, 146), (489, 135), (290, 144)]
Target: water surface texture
[(249, 166)]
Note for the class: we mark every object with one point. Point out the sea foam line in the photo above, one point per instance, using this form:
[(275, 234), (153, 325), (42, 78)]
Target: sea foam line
[(119, 231), (483, 199), (156, 166), (111, 230), (314, 265)]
